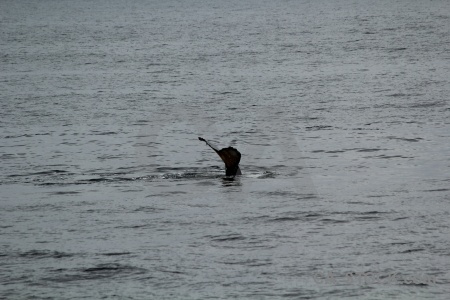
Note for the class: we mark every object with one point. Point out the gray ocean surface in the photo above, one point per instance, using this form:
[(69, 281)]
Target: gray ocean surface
[(340, 110)]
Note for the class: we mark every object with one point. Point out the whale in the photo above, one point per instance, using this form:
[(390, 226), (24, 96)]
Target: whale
[(230, 156)]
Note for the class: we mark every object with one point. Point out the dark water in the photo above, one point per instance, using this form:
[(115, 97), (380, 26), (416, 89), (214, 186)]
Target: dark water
[(339, 108)]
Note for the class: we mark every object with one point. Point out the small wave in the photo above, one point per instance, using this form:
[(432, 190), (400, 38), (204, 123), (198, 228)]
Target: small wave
[(226, 238), (397, 49), (401, 243), (378, 196), (96, 180), (373, 212), (369, 149), (148, 209), (412, 250), (170, 271), (110, 268), (24, 135), (103, 132), (8, 156), (404, 139), (64, 193), (284, 219), (391, 156), (99, 271), (437, 190), (428, 104), (368, 218), (41, 207), (133, 226), (44, 254), (359, 213), (115, 253), (248, 262), (318, 127), (335, 221), (401, 218), (48, 172)]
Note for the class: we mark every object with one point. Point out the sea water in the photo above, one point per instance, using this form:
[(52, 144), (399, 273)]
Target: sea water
[(340, 110)]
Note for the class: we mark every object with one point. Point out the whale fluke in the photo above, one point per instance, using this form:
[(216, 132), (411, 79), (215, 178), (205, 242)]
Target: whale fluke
[(230, 156)]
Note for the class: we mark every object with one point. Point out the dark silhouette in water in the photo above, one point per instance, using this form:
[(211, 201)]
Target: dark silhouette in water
[(230, 156)]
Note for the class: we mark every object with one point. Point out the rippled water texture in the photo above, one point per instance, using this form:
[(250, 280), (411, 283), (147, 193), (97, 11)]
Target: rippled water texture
[(339, 108)]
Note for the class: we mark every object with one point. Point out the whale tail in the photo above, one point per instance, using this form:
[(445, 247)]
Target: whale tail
[(230, 156)]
